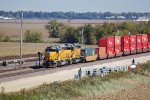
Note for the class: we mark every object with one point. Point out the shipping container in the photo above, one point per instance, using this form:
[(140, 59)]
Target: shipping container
[(148, 36), (88, 54), (117, 40), (106, 42), (145, 47), (149, 45), (133, 48), (126, 49), (132, 39), (118, 51), (144, 38), (101, 52), (138, 38), (88, 51), (139, 48), (110, 52), (125, 39)]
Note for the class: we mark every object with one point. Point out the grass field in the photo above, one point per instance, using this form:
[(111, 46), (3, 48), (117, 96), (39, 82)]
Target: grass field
[(114, 86)]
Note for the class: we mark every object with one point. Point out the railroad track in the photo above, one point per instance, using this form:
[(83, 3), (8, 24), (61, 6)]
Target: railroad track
[(14, 64), (33, 71)]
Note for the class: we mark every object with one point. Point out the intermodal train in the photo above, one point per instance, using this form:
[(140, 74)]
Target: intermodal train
[(108, 47)]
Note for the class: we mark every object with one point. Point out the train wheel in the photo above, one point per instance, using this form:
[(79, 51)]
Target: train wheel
[(54, 65), (47, 65), (69, 62), (83, 60), (59, 64)]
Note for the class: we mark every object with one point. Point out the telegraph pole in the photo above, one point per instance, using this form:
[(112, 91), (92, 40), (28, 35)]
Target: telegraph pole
[(118, 33), (82, 38), (21, 31)]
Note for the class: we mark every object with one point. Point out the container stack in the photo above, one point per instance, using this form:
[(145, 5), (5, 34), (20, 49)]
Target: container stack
[(148, 36), (139, 43), (118, 46), (125, 42), (109, 44), (145, 42), (133, 44)]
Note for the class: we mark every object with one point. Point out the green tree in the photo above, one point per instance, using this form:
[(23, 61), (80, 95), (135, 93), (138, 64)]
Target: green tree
[(89, 34), (54, 28), (33, 37), (71, 36), (99, 31)]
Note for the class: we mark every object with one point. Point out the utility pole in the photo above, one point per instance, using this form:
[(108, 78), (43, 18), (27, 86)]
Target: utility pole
[(118, 33), (21, 31), (129, 33), (82, 37)]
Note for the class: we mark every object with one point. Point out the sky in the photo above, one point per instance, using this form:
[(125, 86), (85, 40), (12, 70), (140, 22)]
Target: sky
[(115, 6)]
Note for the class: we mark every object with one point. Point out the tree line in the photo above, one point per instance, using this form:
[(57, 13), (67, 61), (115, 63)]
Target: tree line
[(92, 33), (74, 15)]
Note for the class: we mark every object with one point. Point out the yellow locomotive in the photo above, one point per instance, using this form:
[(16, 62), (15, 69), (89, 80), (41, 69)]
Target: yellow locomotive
[(58, 55)]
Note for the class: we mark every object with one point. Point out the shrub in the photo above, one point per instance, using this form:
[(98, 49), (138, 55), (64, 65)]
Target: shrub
[(4, 38), (1, 37), (33, 37)]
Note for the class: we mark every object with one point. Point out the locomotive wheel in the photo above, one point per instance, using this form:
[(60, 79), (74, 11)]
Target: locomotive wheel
[(83, 60), (54, 65), (69, 62), (59, 64)]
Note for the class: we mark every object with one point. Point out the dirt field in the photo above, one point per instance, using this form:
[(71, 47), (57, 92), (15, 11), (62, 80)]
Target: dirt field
[(12, 28)]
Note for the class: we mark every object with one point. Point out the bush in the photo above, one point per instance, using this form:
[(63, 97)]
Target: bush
[(55, 28), (33, 37), (1, 37), (4, 38)]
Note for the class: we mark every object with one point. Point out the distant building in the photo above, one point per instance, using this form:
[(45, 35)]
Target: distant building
[(116, 17), (121, 17), (5, 18), (142, 19)]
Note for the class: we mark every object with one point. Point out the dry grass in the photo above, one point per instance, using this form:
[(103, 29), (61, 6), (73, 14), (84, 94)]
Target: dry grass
[(13, 29), (12, 49)]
